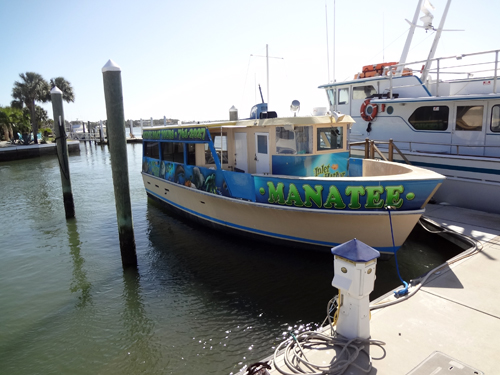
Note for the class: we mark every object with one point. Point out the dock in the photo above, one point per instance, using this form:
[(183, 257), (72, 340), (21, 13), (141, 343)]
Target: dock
[(451, 325), (10, 152)]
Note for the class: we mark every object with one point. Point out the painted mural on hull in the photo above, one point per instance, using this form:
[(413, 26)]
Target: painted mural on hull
[(199, 178), (299, 193)]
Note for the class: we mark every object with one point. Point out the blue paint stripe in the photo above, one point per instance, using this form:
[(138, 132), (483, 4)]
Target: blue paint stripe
[(457, 168), (255, 231)]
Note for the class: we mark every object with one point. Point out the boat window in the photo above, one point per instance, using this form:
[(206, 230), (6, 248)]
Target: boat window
[(495, 118), (470, 118), (362, 92), (331, 96), (220, 144), (344, 96), (172, 151), (191, 154), (330, 138), (291, 141), (151, 150), (262, 144), (430, 118)]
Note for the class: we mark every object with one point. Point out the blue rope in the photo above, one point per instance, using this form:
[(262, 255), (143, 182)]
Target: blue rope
[(403, 291)]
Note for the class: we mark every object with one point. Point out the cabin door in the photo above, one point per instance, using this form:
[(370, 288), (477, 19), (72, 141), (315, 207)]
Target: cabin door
[(469, 128), (262, 152), (240, 143)]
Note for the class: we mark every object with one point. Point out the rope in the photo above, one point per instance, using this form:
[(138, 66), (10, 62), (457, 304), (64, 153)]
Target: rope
[(404, 291), (296, 361)]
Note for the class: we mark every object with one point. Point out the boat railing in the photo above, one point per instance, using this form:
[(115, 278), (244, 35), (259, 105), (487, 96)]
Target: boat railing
[(480, 65), (371, 148)]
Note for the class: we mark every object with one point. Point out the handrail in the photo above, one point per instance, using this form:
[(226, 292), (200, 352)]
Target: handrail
[(439, 70), (412, 149), (371, 148)]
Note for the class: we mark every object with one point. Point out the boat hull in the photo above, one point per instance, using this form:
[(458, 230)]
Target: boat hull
[(315, 229)]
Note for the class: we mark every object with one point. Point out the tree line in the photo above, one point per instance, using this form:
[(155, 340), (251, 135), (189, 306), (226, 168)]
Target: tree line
[(23, 115)]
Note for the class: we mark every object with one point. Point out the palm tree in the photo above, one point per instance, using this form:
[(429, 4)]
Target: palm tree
[(12, 119), (65, 87), (32, 88)]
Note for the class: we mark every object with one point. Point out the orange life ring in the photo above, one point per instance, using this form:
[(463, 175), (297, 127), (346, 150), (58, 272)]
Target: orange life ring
[(368, 111)]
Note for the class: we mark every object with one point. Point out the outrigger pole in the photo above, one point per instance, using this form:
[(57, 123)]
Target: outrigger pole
[(409, 38), (432, 52)]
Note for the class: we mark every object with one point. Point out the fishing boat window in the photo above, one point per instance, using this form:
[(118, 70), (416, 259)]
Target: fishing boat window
[(495, 118), (469, 118), (220, 144), (151, 150), (191, 153), (291, 141), (344, 96), (362, 92), (331, 96), (172, 151), (430, 118), (330, 138)]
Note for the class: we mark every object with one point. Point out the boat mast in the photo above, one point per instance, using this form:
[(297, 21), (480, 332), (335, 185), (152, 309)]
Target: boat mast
[(406, 48), (435, 44)]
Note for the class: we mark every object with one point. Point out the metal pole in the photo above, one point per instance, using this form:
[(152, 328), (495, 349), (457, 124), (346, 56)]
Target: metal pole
[(119, 166), (62, 151), (267, 65)]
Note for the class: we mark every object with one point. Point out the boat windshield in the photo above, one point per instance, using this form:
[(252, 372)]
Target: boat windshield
[(330, 138)]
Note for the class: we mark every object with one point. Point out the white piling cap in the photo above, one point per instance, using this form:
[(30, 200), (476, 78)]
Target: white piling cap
[(56, 90), (111, 66)]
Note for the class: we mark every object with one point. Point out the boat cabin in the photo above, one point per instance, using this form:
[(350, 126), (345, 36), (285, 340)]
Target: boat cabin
[(284, 146)]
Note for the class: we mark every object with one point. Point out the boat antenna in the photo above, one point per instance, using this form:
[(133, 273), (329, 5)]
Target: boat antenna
[(267, 66), (406, 48), (327, 50), (260, 90), (333, 41)]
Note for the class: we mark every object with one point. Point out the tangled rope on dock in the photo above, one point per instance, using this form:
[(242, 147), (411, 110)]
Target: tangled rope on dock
[(295, 358)]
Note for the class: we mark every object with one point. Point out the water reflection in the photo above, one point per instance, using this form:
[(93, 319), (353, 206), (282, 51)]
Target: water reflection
[(79, 282), (142, 352)]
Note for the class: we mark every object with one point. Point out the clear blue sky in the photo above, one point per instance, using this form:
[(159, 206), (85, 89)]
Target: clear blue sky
[(191, 59)]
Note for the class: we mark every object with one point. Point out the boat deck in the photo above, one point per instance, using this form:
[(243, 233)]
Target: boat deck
[(455, 313)]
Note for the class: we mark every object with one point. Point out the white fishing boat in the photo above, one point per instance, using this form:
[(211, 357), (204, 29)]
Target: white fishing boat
[(443, 113), (284, 179)]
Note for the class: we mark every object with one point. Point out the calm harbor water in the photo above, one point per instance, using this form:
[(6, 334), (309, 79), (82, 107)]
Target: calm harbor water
[(200, 303)]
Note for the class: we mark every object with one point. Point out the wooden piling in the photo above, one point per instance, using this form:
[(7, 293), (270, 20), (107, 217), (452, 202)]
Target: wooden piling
[(62, 151), (119, 166)]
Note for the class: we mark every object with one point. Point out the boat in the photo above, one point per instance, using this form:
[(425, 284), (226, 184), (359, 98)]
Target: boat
[(289, 180), (442, 113)]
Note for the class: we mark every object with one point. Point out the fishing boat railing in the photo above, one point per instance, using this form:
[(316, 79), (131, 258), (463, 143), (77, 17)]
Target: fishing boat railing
[(371, 148), (484, 67)]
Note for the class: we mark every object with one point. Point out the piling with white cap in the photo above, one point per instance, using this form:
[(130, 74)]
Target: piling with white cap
[(354, 269), (62, 151), (119, 166)]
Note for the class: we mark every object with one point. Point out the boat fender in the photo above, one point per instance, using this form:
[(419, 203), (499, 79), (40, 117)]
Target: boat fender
[(369, 127), (368, 111)]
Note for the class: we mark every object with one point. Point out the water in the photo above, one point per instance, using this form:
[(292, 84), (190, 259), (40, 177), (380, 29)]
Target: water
[(200, 303)]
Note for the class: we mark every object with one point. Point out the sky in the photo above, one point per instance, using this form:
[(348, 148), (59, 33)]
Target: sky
[(193, 60)]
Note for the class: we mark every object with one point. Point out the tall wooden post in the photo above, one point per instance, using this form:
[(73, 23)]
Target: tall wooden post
[(119, 166), (62, 151)]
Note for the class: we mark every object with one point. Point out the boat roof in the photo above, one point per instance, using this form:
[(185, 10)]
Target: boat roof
[(277, 121)]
